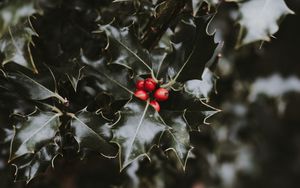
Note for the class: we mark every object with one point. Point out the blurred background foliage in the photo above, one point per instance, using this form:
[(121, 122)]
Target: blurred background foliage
[(253, 142)]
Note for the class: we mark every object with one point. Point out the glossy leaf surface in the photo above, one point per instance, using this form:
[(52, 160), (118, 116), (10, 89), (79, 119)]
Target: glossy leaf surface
[(15, 11), (36, 164), (15, 45), (92, 131), (30, 135), (177, 138), (136, 130)]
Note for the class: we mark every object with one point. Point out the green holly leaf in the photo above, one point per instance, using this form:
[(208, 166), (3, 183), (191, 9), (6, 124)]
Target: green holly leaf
[(92, 131), (198, 114), (33, 133), (160, 52), (74, 75), (30, 166), (195, 111), (217, 25), (172, 63), (113, 79), (259, 19), (15, 45), (177, 138), (126, 49), (35, 90), (135, 131), (15, 11), (196, 4), (202, 88)]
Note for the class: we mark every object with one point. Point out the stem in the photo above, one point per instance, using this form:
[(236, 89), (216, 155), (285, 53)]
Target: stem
[(53, 108), (70, 114), (60, 98), (4, 74), (158, 25)]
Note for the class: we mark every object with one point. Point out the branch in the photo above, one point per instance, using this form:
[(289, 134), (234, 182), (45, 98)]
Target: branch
[(169, 11)]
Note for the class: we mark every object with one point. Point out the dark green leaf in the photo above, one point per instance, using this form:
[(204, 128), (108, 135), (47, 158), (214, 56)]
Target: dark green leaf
[(35, 90), (160, 52), (198, 113), (177, 138), (29, 167), (15, 45), (195, 111), (15, 11), (201, 88), (172, 64), (196, 4), (216, 26), (92, 131), (126, 49), (112, 79), (30, 135), (136, 130), (75, 75)]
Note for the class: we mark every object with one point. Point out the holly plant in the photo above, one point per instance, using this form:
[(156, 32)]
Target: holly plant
[(118, 78)]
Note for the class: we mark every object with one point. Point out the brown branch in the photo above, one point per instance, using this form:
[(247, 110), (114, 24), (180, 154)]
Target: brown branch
[(169, 11)]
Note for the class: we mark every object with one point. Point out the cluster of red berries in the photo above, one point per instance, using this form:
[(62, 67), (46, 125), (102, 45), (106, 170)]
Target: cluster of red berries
[(148, 86)]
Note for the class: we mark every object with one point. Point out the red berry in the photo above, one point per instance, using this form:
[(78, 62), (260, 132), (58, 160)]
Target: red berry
[(140, 84), (161, 94), (141, 94), (155, 105), (150, 84)]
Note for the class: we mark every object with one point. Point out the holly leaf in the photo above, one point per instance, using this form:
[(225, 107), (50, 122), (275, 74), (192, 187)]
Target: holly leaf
[(135, 131), (177, 138), (92, 131), (29, 167), (195, 111), (160, 52), (113, 79), (202, 88), (13, 12), (126, 49), (74, 75), (15, 45), (259, 19), (172, 63), (196, 4), (35, 90), (32, 134), (218, 25), (175, 61), (198, 113)]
